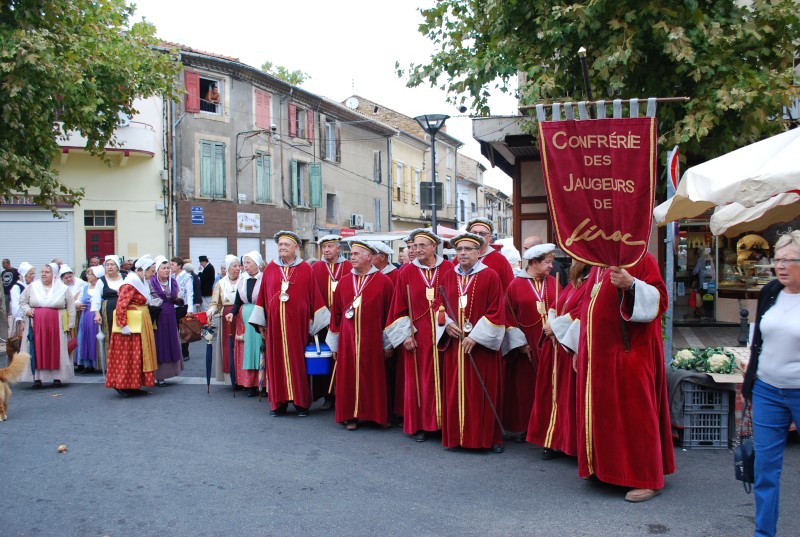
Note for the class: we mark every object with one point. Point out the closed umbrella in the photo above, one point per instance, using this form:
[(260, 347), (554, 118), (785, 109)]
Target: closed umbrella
[(32, 348), (208, 335), (101, 349)]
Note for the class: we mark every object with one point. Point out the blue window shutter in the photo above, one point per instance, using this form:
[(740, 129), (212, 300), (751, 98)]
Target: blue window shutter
[(264, 179), (315, 184), (219, 168), (206, 169)]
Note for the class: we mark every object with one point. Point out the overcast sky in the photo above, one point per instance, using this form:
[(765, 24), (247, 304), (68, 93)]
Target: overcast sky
[(346, 46)]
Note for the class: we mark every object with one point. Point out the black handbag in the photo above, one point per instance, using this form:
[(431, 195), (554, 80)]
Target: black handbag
[(744, 455)]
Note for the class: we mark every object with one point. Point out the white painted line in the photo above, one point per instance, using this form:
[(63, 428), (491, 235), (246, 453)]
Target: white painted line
[(691, 339)]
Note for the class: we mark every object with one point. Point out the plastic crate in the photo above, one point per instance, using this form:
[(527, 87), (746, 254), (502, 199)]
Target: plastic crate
[(698, 398), (705, 430)]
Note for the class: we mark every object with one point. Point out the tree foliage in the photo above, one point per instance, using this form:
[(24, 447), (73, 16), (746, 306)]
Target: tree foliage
[(734, 62), (69, 65), (295, 78)]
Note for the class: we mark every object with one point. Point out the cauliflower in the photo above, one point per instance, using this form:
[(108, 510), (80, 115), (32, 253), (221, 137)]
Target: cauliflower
[(684, 359), (719, 363)]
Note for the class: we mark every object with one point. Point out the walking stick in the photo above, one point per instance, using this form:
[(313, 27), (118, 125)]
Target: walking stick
[(474, 365), (411, 320), (333, 377)]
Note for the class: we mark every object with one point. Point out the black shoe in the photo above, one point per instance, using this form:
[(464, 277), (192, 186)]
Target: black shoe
[(280, 411), (37, 384), (89, 370), (80, 369), (520, 439), (419, 436), (497, 448), (123, 393), (161, 383), (549, 454), (301, 412), (56, 383), (252, 392), (186, 358)]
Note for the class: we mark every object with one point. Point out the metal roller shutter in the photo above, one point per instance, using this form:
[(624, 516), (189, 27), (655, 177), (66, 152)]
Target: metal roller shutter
[(36, 237)]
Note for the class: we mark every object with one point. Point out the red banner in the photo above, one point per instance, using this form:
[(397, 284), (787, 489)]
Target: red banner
[(600, 178)]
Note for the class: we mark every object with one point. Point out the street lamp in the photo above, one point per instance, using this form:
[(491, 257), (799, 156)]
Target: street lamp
[(432, 123)]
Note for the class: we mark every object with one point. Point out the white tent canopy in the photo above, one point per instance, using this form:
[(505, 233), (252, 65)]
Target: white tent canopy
[(748, 176)]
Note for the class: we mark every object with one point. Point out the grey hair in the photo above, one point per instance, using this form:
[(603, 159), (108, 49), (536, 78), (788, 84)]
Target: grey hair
[(789, 238)]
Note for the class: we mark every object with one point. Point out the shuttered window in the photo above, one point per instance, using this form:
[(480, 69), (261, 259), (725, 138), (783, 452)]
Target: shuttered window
[(376, 167), (398, 181), (315, 184), (263, 112), (191, 81), (263, 178), (212, 169)]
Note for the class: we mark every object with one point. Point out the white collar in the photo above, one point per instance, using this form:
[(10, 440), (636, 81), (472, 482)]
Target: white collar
[(439, 260), (476, 268)]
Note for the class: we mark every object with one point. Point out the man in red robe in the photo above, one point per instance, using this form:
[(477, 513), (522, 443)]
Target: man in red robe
[(490, 257), (381, 260), (360, 308), (475, 320), (327, 273), (412, 325), (289, 307), (624, 433)]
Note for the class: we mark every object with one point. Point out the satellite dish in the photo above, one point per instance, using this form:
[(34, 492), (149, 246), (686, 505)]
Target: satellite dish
[(352, 103), (123, 119)]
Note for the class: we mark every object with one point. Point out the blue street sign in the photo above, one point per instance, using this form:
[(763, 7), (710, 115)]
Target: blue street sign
[(198, 219), (197, 210)]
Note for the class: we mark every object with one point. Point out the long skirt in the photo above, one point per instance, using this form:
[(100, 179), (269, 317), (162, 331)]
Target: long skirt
[(49, 347), (247, 349), (86, 353), (168, 344), (126, 360)]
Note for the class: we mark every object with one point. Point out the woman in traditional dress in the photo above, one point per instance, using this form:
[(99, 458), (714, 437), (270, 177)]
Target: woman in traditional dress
[(132, 347), (553, 421), (26, 275), (165, 294), (49, 306), (86, 353), (222, 300), (247, 348), (529, 295), (105, 299)]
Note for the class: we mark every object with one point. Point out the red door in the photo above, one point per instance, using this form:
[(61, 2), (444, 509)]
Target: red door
[(99, 242)]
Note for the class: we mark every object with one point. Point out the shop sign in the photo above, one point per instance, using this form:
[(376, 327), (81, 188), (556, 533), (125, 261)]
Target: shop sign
[(600, 178), (248, 222)]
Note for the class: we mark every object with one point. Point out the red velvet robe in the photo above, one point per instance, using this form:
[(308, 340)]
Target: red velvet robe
[(468, 418), (360, 364), (422, 407), (323, 278), (520, 373), (498, 263), (553, 420), (623, 413), (287, 331)]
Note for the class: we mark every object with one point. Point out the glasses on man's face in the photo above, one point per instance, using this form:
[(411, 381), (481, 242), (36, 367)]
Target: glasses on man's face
[(462, 249), (483, 233), (786, 261), (418, 246)]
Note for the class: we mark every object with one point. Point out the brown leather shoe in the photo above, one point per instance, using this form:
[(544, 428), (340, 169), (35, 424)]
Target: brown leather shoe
[(641, 495), (352, 426), (326, 405)]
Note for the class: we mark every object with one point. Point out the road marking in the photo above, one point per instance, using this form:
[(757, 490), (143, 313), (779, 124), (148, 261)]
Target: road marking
[(691, 339)]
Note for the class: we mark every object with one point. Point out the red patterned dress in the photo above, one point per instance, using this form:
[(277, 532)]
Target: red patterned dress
[(125, 364)]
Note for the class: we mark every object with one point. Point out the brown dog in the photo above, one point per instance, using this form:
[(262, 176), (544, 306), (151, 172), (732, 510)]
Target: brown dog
[(18, 361)]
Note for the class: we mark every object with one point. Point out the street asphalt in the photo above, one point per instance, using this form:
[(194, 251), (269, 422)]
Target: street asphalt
[(181, 462)]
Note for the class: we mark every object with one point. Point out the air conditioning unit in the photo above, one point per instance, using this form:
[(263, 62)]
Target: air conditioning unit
[(357, 220)]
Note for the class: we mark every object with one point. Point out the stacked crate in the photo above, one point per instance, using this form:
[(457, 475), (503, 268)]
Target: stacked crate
[(706, 413)]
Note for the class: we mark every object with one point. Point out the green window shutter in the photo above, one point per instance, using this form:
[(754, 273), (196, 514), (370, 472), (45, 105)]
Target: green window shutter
[(295, 186), (219, 168), (206, 169), (315, 184), (264, 179)]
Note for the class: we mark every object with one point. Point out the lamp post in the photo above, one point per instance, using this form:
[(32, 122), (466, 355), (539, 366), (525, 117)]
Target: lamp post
[(432, 123)]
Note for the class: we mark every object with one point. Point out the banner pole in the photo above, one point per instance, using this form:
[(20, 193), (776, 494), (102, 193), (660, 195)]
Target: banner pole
[(586, 84)]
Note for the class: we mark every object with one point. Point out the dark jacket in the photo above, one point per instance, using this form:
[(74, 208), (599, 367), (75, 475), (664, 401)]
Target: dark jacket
[(207, 280), (198, 299), (766, 299)]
